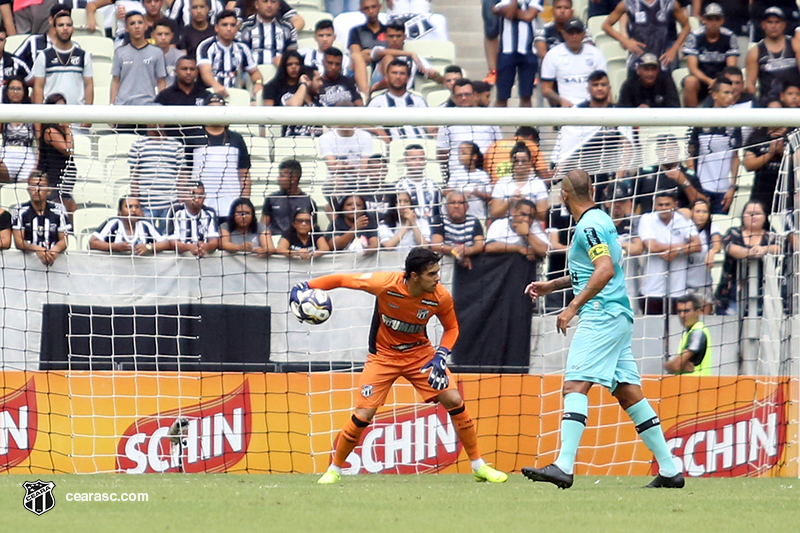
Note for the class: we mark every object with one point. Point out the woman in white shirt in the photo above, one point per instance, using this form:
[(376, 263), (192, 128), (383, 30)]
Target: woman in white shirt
[(471, 180), (698, 275), (402, 229)]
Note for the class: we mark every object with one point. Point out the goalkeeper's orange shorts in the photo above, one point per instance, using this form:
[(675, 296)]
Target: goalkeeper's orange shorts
[(381, 372)]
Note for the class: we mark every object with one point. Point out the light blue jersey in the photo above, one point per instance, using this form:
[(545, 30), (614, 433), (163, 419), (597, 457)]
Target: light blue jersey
[(595, 236)]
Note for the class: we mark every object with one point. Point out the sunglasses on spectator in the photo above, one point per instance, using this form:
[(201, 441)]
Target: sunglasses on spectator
[(303, 220)]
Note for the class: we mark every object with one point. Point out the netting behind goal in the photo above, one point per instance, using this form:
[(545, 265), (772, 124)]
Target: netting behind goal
[(125, 355)]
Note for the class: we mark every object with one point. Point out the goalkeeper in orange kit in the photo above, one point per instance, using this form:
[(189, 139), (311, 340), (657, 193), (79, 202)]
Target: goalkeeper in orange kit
[(399, 346)]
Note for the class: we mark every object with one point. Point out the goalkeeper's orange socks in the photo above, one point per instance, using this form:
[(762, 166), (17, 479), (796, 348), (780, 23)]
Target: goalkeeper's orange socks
[(648, 426), (348, 439), (573, 422), (465, 427)]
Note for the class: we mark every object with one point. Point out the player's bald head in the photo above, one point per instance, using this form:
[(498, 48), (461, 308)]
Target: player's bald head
[(578, 184)]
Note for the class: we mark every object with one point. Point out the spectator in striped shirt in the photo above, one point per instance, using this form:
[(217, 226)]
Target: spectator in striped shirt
[(12, 66), (156, 163), (193, 225), (128, 232), (222, 59), (267, 35), (461, 234), (325, 37), (517, 56), (40, 226), (398, 96), (382, 56)]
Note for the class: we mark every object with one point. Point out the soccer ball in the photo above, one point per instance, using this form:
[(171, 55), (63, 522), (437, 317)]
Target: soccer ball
[(313, 306)]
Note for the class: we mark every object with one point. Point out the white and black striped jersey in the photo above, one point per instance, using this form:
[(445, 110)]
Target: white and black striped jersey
[(185, 227), (517, 35), (113, 231), (31, 47), (268, 40), (462, 232), (312, 57), (181, 12), (227, 62), (13, 66), (155, 164), (388, 99), (41, 230)]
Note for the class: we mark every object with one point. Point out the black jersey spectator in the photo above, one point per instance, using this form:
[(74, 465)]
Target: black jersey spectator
[(193, 225), (772, 62), (222, 60), (737, 17), (267, 35), (286, 80), (12, 66), (40, 225), (649, 30), (452, 73), (649, 86), (247, 8), (335, 87), (5, 229), (763, 155), (356, 229), (129, 232), (185, 91), (280, 206), (708, 50), (363, 39), (198, 29), (306, 95), (669, 174), (55, 158), (303, 241)]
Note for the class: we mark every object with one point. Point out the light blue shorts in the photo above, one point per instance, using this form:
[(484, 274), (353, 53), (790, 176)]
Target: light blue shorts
[(601, 351)]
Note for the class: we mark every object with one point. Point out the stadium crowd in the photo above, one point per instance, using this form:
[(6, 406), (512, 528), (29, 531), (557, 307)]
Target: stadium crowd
[(190, 187)]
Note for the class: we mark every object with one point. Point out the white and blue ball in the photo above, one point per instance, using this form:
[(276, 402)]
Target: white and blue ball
[(313, 306)]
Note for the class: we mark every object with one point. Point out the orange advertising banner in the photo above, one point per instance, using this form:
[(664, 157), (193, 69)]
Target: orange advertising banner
[(82, 422)]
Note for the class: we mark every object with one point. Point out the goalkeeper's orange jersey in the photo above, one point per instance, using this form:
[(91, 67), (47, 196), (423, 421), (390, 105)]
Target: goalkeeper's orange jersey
[(400, 319)]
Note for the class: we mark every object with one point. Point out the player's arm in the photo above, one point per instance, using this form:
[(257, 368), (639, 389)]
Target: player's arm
[(437, 366), (536, 289), (369, 282)]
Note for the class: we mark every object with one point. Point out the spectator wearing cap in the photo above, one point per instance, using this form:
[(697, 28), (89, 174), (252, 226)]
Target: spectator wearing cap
[(757, 9), (669, 238), (517, 57), (773, 61), (649, 30), (649, 86), (620, 196), (552, 34), (566, 68), (708, 50), (716, 150)]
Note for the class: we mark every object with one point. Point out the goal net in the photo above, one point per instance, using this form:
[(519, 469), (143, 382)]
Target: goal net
[(160, 339)]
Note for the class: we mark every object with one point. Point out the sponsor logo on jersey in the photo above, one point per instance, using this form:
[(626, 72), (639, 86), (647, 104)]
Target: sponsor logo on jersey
[(430, 302), (395, 294), (746, 441), (212, 436), (19, 423), (400, 326)]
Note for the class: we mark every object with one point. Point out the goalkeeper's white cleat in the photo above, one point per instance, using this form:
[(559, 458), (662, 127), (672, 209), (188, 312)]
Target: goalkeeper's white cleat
[(487, 473), (330, 477)]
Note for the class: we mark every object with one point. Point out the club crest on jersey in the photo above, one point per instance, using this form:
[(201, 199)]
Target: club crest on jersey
[(422, 314), (366, 391)]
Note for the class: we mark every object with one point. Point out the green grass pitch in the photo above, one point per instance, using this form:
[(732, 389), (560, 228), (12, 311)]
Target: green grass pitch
[(407, 504)]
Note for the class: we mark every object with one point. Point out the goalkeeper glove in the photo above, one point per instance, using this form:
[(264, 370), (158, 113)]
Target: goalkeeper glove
[(294, 299), (437, 366)]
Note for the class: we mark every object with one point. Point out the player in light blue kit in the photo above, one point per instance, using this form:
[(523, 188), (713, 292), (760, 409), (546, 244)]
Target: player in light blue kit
[(601, 348)]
